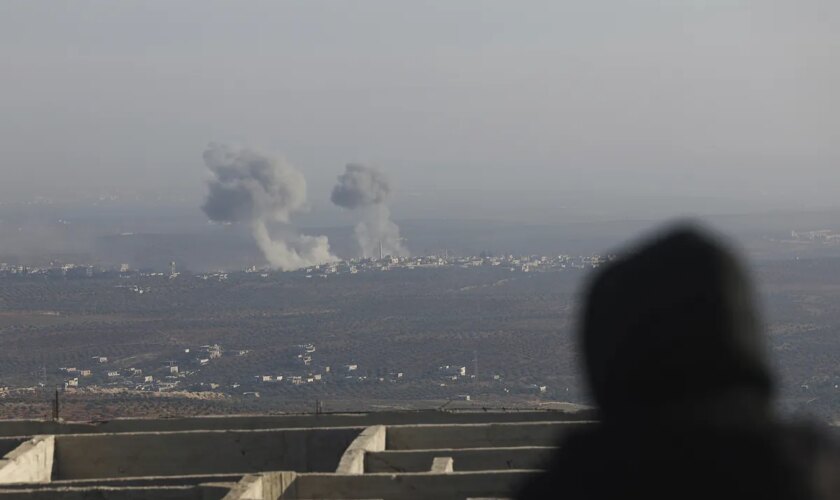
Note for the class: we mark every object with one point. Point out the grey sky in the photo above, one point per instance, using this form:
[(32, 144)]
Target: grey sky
[(706, 98)]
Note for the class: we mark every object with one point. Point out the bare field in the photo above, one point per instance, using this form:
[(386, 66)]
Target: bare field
[(397, 330)]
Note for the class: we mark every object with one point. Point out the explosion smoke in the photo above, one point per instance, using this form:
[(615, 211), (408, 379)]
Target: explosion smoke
[(249, 187), (366, 190)]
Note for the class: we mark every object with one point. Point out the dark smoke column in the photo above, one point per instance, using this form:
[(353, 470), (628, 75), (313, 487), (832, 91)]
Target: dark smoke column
[(366, 190), (250, 187)]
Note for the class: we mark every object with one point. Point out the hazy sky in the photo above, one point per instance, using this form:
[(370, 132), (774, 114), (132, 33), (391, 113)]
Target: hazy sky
[(681, 97)]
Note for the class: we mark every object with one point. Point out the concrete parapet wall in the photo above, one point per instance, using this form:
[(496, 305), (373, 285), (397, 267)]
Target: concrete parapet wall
[(90, 456), (208, 492), (413, 437), (429, 460), (30, 462), (467, 459), (126, 482), (262, 486), (455, 485), (353, 460), (37, 427)]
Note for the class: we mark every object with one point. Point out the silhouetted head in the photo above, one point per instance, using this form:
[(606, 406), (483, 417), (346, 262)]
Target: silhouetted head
[(672, 322)]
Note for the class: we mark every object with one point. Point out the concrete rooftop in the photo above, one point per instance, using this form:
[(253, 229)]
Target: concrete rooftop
[(421, 454)]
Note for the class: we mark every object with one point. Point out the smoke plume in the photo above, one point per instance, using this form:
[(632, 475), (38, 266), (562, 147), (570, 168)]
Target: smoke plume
[(251, 188), (366, 190)]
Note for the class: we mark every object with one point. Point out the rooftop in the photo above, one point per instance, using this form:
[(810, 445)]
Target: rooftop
[(421, 454)]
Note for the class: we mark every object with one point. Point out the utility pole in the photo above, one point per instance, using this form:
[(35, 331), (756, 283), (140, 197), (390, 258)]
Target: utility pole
[(56, 408)]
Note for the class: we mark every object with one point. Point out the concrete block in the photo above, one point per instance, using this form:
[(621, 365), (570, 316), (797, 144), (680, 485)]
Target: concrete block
[(353, 460), (30, 462), (442, 465)]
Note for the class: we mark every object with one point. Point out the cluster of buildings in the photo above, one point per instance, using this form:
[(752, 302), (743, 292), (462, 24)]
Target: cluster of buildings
[(303, 370), (101, 373), (526, 263), (454, 375), (73, 270), (179, 373), (302, 374), (820, 236)]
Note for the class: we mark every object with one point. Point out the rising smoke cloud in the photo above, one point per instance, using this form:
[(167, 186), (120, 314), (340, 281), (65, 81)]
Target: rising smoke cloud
[(366, 191), (252, 188)]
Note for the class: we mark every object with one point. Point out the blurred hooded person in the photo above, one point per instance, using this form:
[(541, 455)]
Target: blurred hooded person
[(675, 362)]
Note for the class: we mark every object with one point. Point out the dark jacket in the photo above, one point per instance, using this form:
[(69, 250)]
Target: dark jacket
[(676, 365)]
